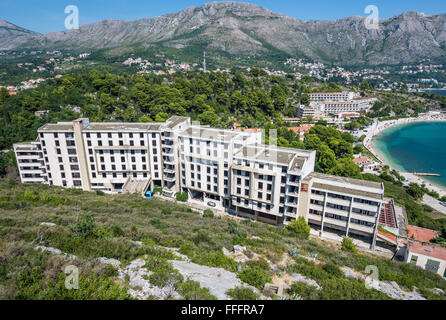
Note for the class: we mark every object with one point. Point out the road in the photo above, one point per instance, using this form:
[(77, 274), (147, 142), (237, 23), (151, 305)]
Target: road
[(434, 203)]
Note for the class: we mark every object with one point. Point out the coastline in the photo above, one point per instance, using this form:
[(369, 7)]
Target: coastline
[(379, 127)]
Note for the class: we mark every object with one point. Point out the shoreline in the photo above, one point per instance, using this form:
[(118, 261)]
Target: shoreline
[(379, 127)]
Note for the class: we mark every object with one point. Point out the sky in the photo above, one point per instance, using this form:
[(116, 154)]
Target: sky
[(48, 15)]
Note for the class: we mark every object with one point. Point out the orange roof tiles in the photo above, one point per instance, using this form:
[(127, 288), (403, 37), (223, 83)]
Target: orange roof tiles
[(360, 159), (302, 128), (421, 234)]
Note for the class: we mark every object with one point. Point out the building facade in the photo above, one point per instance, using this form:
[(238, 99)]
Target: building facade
[(332, 96), (343, 206), (232, 171)]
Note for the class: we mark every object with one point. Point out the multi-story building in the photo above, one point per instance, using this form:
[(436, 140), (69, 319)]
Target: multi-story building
[(102, 156), (355, 105), (206, 157), (332, 96), (303, 111), (342, 205), (30, 162), (265, 182), (223, 169)]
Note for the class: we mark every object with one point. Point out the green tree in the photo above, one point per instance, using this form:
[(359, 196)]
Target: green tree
[(299, 227), (415, 191), (348, 245)]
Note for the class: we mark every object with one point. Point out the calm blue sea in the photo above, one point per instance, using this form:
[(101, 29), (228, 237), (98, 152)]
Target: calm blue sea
[(436, 91), (415, 147)]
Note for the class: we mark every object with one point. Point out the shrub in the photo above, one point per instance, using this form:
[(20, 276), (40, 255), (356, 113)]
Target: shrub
[(157, 189), (157, 223), (256, 276), (182, 196), (348, 245), (163, 272), (110, 271), (236, 229), (415, 191), (304, 291), (191, 290), (100, 193), (261, 263), (117, 231), (84, 226), (242, 293), (333, 269), (300, 227), (208, 213)]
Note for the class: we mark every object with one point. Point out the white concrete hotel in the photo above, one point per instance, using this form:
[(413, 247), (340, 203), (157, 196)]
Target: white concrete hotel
[(222, 169)]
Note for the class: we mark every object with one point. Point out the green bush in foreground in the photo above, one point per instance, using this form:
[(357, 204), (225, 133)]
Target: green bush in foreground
[(191, 290), (84, 226), (255, 276), (348, 245), (333, 270), (299, 227), (242, 293), (208, 213), (182, 196)]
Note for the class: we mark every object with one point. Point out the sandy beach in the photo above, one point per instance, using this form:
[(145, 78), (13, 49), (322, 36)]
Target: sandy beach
[(378, 127)]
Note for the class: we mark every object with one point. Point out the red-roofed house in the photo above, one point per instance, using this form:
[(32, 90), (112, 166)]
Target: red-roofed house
[(366, 163), (421, 234), (302, 129), (429, 257)]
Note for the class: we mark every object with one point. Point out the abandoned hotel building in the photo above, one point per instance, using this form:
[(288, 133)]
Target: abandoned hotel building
[(223, 169)]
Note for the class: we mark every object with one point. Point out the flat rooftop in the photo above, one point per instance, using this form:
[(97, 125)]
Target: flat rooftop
[(175, 120), (60, 126), (294, 158), (122, 126), (115, 126), (209, 133), (356, 187)]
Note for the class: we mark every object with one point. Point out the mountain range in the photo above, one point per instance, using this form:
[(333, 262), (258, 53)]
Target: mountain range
[(244, 29)]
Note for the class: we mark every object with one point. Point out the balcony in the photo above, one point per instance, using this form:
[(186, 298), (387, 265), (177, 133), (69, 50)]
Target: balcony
[(295, 183), (363, 217), (169, 170), (338, 212), (293, 193), (360, 227), (167, 143), (335, 222), (169, 160), (317, 197), (341, 202), (169, 177), (364, 206)]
